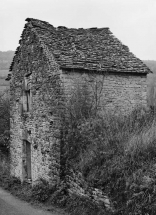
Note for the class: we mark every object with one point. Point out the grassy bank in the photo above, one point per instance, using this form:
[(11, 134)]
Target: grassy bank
[(116, 154), (120, 159)]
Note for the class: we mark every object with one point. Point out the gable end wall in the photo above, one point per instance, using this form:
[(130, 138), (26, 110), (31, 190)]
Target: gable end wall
[(40, 125)]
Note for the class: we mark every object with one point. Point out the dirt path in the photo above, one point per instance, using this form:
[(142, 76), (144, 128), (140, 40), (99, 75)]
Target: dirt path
[(9, 205)]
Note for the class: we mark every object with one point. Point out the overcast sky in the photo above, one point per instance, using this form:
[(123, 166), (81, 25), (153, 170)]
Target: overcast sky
[(131, 21)]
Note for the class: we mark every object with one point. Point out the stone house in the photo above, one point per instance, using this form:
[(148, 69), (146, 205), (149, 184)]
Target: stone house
[(49, 62)]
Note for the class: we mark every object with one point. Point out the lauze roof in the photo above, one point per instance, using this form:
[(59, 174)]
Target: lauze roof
[(91, 49)]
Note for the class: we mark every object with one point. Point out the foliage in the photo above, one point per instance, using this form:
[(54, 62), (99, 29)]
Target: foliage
[(41, 191), (59, 196), (4, 121), (119, 157), (4, 171), (7, 181), (83, 127), (80, 205), (78, 110)]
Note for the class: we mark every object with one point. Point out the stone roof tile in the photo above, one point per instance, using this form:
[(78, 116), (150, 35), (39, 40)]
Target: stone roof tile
[(91, 49)]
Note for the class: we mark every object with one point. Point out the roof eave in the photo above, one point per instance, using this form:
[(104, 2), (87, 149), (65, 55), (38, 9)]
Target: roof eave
[(107, 70)]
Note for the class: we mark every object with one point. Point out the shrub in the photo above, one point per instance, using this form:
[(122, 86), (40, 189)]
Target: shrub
[(4, 122), (41, 191), (4, 169), (80, 205), (59, 195)]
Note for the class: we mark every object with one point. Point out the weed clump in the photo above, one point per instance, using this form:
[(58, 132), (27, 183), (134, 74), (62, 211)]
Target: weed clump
[(41, 191)]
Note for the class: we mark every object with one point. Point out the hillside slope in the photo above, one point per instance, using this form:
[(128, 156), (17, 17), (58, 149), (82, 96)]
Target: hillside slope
[(151, 64), (5, 61)]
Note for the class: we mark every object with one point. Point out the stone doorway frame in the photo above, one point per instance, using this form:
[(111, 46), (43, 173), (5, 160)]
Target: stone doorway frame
[(26, 161)]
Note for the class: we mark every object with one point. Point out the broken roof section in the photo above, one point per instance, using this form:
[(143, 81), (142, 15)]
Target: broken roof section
[(93, 49)]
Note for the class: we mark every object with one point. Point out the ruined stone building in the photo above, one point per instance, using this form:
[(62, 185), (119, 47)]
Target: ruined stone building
[(49, 62)]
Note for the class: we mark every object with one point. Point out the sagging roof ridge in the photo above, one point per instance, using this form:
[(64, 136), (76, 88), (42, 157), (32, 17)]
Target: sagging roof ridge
[(38, 25), (43, 24), (35, 22), (102, 31)]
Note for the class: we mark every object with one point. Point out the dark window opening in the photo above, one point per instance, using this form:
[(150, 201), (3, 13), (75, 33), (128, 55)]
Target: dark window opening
[(28, 102)]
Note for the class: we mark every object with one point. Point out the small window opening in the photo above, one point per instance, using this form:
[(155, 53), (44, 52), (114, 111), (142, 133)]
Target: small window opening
[(28, 102), (26, 94)]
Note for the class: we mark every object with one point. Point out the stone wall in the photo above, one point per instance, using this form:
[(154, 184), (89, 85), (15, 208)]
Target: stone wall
[(40, 125), (115, 93), (78, 186)]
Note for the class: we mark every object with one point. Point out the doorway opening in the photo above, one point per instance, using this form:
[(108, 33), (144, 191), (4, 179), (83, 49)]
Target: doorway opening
[(26, 161)]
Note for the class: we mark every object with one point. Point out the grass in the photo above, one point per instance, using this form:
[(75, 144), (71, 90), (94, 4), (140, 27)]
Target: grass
[(117, 154), (121, 161), (80, 205), (142, 141)]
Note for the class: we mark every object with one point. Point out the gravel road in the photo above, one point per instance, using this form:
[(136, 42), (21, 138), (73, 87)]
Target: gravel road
[(9, 205)]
